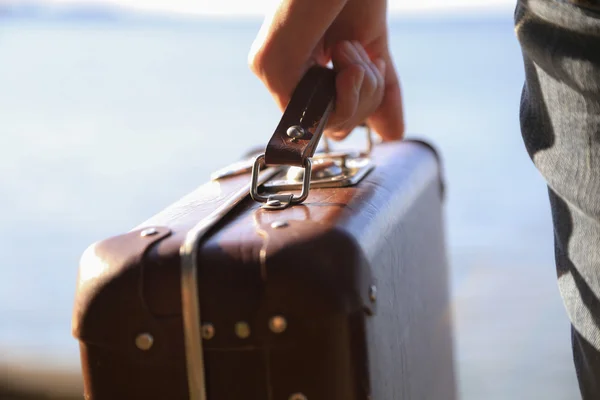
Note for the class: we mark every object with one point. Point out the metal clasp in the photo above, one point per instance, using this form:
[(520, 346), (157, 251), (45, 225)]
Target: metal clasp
[(371, 140), (326, 169), (279, 201)]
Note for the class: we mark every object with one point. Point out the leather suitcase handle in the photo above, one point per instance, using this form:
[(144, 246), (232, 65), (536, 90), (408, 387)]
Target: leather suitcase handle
[(301, 126)]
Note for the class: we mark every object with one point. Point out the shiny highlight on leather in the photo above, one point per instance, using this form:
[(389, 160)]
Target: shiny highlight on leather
[(191, 310)]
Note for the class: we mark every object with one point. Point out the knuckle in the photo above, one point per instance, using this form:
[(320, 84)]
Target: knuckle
[(256, 61), (263, 63), (260, 57)]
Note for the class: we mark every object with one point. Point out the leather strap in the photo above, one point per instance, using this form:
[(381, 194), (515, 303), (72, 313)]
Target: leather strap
[(309, 109)]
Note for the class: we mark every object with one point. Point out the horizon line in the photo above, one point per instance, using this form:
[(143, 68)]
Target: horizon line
[(224, 9)]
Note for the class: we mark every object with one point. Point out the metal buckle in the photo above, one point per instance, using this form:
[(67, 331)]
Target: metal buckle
[(344, 172), (330, 168), (279, 201), (326, 169)]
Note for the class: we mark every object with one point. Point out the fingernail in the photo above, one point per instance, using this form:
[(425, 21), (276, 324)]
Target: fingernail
[(338, 135)]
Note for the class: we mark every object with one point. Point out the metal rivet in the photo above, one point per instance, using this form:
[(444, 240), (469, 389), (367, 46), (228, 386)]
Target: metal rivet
[(273, 203), (278, 324), (144, 341), (373, 293), (242, 329), (298, 396), (208, 331), (149, 232), (295, 132), (279, 224)]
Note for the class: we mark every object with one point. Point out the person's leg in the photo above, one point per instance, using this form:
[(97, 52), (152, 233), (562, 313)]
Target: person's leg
[(587, 364), (560, 123)]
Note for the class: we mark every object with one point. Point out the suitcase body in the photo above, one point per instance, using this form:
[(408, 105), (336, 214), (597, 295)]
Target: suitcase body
[(342, 297)]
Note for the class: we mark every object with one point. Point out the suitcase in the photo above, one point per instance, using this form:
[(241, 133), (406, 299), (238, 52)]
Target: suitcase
[(245, 289)]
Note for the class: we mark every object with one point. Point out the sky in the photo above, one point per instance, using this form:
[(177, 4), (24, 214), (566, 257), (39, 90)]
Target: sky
[(259, 7)]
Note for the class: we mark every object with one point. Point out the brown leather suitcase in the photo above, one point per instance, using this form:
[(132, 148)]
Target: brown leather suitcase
[(241, 291)]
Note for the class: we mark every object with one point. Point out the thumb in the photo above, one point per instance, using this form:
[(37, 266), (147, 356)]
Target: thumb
[(289, 42)]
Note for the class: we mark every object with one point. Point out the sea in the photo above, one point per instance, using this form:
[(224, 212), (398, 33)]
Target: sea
[(104, 122)]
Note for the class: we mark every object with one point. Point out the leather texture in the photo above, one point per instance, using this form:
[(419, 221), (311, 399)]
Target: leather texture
[(110, 311), (309, 108), (317, 271)]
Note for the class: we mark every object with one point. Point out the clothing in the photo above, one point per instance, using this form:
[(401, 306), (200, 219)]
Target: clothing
[(560, 124)]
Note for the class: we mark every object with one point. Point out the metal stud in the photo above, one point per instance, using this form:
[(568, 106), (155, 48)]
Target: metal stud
[(242, 330), (149, 232), (278, 324), (144, 341), (373, 293), (208, 331), (279, 224), (273, 203), (298, 396), (295, 132)]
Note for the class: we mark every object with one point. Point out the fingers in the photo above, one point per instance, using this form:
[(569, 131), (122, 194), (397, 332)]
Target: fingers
[(300, 33), (289, 42), (388, 119), (360, 87), (348, 87)]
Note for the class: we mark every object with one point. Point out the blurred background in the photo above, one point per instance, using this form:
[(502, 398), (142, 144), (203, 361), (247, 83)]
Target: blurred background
[(110, 111)]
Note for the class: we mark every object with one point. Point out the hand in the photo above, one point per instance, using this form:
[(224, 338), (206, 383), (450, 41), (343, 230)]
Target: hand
[(350, 33)]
